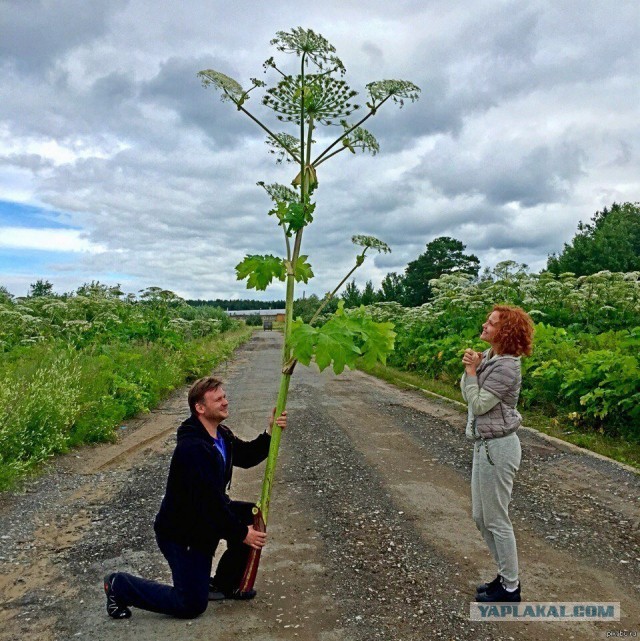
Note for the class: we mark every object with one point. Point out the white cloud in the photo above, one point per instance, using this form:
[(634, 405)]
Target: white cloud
[(526, 124), (51, 240)]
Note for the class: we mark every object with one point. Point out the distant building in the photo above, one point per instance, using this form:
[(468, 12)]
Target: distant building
[(265, 314)]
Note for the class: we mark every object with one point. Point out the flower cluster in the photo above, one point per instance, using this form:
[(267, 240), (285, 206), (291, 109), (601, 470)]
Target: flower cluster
[(99, 314), (318, 96), (587, 338)]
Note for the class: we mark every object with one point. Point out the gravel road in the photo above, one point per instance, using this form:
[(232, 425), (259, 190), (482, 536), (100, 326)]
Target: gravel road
[(370, 533)]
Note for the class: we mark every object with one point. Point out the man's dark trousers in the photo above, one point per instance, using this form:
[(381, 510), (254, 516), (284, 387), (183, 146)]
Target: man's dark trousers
[(191, 570)]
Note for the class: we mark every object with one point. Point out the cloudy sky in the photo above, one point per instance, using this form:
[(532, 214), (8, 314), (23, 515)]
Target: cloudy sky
[(116, 165)]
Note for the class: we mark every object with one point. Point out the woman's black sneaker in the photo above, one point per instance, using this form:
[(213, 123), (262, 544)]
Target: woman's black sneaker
[(114, 610), (488, 587), (500, 595)]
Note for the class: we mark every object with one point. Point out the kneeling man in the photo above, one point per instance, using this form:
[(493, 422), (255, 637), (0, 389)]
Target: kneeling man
[(196, 513)]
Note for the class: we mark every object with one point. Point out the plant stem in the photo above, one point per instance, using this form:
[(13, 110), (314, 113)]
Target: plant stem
[(281, 404), (348, 131), (288, 245), (284, 75), (285, 378), (271, 134), (309, 139), (328, 297), (302, 89), (333, 153)]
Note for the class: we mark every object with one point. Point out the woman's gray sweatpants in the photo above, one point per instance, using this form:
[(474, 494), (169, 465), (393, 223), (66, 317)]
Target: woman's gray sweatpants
[(491, 487)]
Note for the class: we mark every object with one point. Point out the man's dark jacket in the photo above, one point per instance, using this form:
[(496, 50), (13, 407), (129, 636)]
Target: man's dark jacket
[(195, 510)]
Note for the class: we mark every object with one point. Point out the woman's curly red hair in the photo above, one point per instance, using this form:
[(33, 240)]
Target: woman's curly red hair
[(515, 331)]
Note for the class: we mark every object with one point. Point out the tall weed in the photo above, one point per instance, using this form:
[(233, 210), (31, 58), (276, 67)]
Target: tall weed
[(585, 365), (37, 414), (54, 397)]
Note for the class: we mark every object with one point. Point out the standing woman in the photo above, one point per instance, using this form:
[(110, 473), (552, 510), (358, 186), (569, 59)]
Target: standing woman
[(491, 386)]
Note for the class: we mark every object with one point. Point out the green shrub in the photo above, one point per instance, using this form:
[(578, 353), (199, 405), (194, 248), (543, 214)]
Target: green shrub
[(54, 397), (38, 413), (585, 361), (96, 314)]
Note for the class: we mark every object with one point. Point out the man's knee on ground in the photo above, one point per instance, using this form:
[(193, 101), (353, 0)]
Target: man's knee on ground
[(193, 607)]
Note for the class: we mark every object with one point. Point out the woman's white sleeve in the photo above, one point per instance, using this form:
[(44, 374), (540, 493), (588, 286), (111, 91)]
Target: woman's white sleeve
[(480, 401)]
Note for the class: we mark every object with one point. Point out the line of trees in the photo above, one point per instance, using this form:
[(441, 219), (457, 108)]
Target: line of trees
[(443, 255), (43, 287), (240, 304), (609, 242)]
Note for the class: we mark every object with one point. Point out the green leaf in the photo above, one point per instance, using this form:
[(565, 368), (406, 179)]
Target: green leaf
[(378, 341), (302, 341), (336, 345), (303, 270), (280, 211), (260, 270), (294, 215), (342, 340)]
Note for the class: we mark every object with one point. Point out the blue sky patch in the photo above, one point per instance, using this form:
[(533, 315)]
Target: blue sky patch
[(14, 214), (32, 261)]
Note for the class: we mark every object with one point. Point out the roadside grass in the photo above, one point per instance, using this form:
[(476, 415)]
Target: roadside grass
[(54, 399), (617, 449)]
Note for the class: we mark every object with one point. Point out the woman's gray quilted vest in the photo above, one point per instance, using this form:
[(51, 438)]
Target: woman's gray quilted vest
[(501, 376)]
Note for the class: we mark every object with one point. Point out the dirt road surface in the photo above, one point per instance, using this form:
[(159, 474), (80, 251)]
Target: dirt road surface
[(370, 533)]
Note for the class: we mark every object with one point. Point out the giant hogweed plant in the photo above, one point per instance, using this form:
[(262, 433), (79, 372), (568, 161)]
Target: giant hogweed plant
[(314, 96)]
